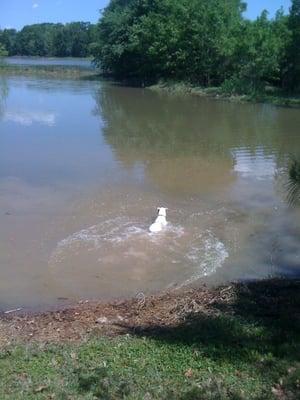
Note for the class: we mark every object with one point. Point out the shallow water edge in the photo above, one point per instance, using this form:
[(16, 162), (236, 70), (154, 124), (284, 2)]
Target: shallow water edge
[(182, 88), (142, 314), (49, 71), (174, 88)]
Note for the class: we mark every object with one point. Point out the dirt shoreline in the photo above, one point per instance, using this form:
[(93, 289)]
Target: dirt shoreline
[(273, 298)]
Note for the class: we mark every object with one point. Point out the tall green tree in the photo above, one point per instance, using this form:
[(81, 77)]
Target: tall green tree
[(292, 70), (8, 39), (258, 54), (168, 38), (49, 39), (204, 42)]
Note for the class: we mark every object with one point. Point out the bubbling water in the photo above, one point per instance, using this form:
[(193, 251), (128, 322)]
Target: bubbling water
[(123, 247)]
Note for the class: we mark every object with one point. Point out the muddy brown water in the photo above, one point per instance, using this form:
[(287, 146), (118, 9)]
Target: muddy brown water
[(83, 166)]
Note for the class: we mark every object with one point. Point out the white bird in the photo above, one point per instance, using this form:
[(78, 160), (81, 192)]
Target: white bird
[(160, 221)]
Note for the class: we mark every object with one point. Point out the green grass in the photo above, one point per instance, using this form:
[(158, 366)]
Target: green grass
[(220, 357)]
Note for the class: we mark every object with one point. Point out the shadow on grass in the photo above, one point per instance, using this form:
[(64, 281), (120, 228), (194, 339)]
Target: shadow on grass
[(263, 318), (259, 329), (245, 345)]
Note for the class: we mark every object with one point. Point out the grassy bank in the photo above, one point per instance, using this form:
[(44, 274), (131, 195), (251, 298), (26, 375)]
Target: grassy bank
[(270, 95), (48, 71), (234, 342)]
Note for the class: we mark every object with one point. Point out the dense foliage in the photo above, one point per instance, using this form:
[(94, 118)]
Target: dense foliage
[(200, 41), (3, 51), (292, 64), (70, 40), (208, 43)]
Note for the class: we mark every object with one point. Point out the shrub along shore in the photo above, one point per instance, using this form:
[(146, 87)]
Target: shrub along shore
[(240, 341), (270, 95)]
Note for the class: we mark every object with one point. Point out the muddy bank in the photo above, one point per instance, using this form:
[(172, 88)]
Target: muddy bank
[(271, 300)]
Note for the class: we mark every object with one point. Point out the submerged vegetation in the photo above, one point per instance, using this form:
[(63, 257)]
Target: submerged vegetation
[(270, 95), (49, 71)]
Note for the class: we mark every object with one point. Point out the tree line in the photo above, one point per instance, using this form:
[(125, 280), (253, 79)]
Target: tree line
[(75, 39), (204, 42)]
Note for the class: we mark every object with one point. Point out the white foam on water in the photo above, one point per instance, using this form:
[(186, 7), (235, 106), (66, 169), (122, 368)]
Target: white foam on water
[(115, 230), (208, 254), (202, 254)]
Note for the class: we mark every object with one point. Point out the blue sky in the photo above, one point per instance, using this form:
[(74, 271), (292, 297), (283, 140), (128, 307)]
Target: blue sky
[(17, 13)]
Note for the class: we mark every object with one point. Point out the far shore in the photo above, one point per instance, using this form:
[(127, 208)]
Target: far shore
[(270, 96), (49, 71)]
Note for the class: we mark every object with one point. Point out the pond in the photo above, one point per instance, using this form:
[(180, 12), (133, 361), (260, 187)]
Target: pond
[(84, 165)]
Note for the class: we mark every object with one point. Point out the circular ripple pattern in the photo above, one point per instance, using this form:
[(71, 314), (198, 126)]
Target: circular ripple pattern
[(121, 248)]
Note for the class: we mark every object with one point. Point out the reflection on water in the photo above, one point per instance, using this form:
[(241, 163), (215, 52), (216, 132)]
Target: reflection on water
[(257, 165), (44, 61), (293, 184), (83, 166), (29, 117), (208, 142), (3, 93)]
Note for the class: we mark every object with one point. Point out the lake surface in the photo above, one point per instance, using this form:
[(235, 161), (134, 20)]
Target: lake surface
[(84, 164), (84, 63)]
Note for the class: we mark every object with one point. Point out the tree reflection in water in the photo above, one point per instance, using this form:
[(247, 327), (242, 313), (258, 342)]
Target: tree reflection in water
[(293, 185), (3, 94)]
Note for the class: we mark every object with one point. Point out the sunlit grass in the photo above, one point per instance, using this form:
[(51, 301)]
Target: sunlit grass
[(210, 358)]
